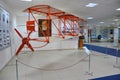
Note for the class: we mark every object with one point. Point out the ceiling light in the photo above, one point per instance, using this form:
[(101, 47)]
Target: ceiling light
[(26, 0), (113, 23), (118, 9), (102, 22), (116, 20), (91, 5), (97, 25), (90, 18)]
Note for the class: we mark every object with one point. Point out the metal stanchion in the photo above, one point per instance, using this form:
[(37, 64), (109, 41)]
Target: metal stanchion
[(106, 52), (89, 63), (89, 66), (16, 69), (117, 64)]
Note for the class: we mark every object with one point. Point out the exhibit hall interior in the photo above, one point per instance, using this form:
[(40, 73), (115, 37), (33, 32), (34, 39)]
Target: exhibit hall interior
[(59, 40)]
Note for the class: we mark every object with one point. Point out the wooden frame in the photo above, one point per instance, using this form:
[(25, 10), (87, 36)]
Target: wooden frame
[(44, 28)]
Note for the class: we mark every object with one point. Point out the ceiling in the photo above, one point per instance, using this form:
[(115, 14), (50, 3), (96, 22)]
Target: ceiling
[(105, 11)]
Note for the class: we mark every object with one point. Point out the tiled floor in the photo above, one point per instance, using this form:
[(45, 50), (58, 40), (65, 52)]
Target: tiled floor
[(59, 65)]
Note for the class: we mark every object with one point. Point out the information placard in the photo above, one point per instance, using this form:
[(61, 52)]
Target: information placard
[(4, 29)]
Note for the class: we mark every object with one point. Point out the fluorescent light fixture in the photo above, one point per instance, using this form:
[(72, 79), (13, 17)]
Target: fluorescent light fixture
[(102, 22), (90, 18), (118, 9), (91, 5), (116, 20), (26, 0), (113, 23), (97, 25)]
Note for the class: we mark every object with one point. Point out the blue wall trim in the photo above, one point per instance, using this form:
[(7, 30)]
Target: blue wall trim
[(105, 50)]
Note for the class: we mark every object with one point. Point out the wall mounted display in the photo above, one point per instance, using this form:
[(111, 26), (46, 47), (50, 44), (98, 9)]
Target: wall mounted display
[(111, 31), (4, 29), (44, 28), (104, 33), (93, 34)]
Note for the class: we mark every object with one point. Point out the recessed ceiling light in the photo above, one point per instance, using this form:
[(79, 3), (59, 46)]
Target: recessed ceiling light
[(116, 20), (113, 23), (90, 18), (101, 22), (118, 9), (97, 25), (26, 0), (91, 5)]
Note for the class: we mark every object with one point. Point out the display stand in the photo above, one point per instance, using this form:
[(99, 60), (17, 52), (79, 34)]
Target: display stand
[(80, 42)]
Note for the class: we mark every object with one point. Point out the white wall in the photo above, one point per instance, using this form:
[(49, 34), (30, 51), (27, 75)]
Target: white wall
[(7, 53), (116, 36)]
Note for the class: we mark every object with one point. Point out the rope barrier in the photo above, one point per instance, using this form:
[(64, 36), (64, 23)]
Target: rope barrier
[(55, 69)]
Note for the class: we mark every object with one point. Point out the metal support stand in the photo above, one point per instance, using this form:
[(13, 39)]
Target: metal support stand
[(89, 66), (91, 47), (16, 69), (117, 64), (106, 52)]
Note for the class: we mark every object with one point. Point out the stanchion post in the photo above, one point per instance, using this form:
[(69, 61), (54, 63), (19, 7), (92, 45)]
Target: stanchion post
[(106, 52), (89, 63), (116, 61), (89, 66), (16, 69), (116, 56)]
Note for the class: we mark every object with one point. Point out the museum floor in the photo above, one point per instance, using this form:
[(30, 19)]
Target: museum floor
[(61, 65)]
